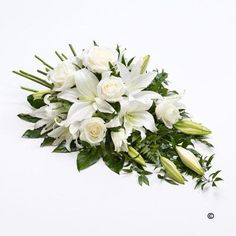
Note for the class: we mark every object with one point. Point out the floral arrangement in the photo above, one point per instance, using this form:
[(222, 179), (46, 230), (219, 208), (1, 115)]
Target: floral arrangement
[(103, 105)]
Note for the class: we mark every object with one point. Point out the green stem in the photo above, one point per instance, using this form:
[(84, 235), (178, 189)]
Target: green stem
[(32, 79), (37, 78), (42, 72), (72, 50), (64, 56), (59, 56), (29, 89), (45, 63), (76, 66)]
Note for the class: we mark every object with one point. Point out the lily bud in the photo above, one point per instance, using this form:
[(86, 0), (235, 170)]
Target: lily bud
[(190, 127), (136, 156), (171, 170), (189, 160)]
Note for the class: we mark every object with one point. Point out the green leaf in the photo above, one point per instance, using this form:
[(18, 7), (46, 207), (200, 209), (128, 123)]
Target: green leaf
[(203, 185), (214, 184), (130, 61), (140, 180), (27, 117), (218, 179), (87, 158), (143, 179), (36, 103), (198, 183), (127, 171), (60, 149), (215, 174), (170, 181), (114, 162), (36, 133), (47, 141), (209, 160)]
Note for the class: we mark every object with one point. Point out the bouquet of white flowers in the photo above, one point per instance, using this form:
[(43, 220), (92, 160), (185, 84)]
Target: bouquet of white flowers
[(104, 105)]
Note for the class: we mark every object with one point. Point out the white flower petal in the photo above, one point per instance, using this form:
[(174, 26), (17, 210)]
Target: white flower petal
[(40, 123), (115, 122), (104, 106), (147, 97), (69, 139), (119, 140), (139, 83), (56, 132), (74, 129), (80, 111), (124, 72), (140, 119), (134, 106), (86, 83), (142, 132), (70, 95)]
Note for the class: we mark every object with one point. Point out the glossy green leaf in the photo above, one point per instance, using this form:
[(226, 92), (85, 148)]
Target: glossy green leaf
[(27, 117), (114, 162), (87, 158), (36, 103), (32, 133)]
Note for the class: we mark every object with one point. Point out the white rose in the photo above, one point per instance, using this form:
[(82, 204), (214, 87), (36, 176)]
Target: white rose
[(93, 130), (111, 89), (62, 76), (97, 58), (168, 112)]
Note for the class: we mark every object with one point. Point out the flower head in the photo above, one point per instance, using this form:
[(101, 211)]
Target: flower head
[(97, 58), (93, 130)]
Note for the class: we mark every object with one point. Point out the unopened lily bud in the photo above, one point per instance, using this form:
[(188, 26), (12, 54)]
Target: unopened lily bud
[(190, 127), (189, 160), (136, 156), (171, 170)]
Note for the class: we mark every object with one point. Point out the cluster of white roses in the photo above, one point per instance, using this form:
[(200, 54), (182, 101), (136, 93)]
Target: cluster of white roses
[(88, 83)]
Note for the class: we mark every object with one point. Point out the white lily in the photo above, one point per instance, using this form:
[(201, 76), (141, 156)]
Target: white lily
[(61, 133), (47, 115), (89, 102), (136, 80), (120, 141), (135, 116)]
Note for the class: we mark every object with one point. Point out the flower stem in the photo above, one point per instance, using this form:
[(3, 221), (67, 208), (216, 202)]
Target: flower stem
[(64, 56), (36, 77), (60, 57), (32, 79), (29, 89), (42, 72), (72, 50), (45, 63)]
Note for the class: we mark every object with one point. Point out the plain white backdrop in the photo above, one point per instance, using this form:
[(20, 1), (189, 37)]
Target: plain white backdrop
[(42, 193)]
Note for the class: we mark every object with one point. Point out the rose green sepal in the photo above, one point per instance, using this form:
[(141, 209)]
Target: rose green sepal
[(145, 64), (190, 127), (136, 156), (171, 170), (189, 160)]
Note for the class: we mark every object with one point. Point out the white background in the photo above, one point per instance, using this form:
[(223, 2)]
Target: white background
[(42, 193)]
